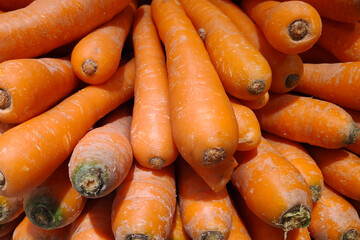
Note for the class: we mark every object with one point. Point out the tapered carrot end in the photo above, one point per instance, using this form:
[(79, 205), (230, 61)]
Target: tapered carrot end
[(352, 234), (296, 217), (157, 163), (137, 237), (298, 30), (315, 193), (292, 80), (213, 156), (354, 135), (257, 87), (5, 99), (212, 235), (89, 67)]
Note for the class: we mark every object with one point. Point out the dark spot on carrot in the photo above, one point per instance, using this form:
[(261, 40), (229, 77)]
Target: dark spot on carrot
[(296, 217), (157, 163), (202, 34), (41, 216), (298, 30), (315, 193), (351, 234), (89, 67), (213, 156), (257, 87), (292, 80), (2, 180), (5, 99), (354, 135), (137, 237), (212, 235)]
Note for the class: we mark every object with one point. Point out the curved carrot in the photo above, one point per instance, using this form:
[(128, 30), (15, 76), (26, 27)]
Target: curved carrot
[(334, 218), (355, 147), (203, 123), (257, 103), (317, 54), (27, 86), (178, 232), (301, 159), (101, 159), (96, 57), (244, 72), (290, 27), (205, 214), (6, 229), (31, 151), (43, 26), (10, 208), (308, 120), (145, 204), (151, 136), (338, 83), (272, 187), (6, 5), (286, 69)]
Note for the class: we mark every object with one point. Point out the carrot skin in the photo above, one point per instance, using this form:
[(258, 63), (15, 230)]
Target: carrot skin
[(7, 228), (238, 228), (257, 103), (178, 232)]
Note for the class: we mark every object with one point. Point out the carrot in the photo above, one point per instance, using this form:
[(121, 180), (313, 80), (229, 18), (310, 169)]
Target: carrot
[(334, 218), (101, 160), (355, 147), (31, 151), (95, 220), (272, 187), (238, 229), (7, 229), (178, 232), (151, 136), (290, 27), (334, 82), (26, 86), (301, 159), (6, 5), (27, 230), (203, 123), (145, 204), (10, 208), (5, 126), (96, 57), (257, 103), (232, 55), (317, 54), (308, 120), (286, 69), (43, 26), (205, 214), (249, 127)]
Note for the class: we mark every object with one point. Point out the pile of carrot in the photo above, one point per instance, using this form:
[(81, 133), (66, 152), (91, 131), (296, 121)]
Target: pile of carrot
[(179, 119)]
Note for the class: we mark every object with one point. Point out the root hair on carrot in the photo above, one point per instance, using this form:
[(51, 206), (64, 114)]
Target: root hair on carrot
[(137, 237), (213, 156), (351, 234), (89, 67), (292, 80), (212, 235), (5, 99), (296, 217), (257, 87), (156, 163), (202, 34), (298, 30)]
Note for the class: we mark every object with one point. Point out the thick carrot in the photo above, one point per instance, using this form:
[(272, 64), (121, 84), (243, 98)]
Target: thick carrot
[(31, 151), (317, 54), (10, 208), (290, 27), (244, 72), (96, 57), (338, 83), (27, 230), (272, 187), (95, 221), (6, 5), (355, 147), (308, 120), (7, 229), (334, 218), (178, 232), (45, 25), (301, 159), (145, 204), (203, 123), (151, 135), (101, 160), (286, 69), (238, 228), (257, 103), (27, 86)]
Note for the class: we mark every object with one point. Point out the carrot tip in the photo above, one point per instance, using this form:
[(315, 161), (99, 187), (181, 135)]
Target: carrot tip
[(315, 193), (354, 134), (157, 163), (298, 29), (296, 217), (351, 234), (202, 34), (40, 216), (213, 156), (257, 87), (137, 237), (292, 80), (89, 67), (5, 99), (212, 235)]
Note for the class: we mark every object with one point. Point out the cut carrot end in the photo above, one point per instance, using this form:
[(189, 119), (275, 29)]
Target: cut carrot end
[(137, 237), (296, 217), (354, 135), (5, 99), (89, 67), (292, 80), (157, 163), (257, 87), (315, 193), (202, 34), (298, 30), (352, 234), (212, 235), (40, 216), (213, 156)]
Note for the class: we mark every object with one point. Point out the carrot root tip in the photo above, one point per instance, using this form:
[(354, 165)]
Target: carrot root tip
[(257, 87), (137, 237), (5, 99), (354, 135), (292, 80), (40, 216), (213, 156), (298, 30), (156, 163), (296, 217), (89, 67), (202, 34), (351, 234), (315, 192), (212, 235)]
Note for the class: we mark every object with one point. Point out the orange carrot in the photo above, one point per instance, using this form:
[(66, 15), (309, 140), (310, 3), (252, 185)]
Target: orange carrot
[(257, 103), (178, 232), (286, 69), (244, 72), (151, 136), (334, 218), (301, 159), (45, 25), (338, 83), (145, 204), (317, 54), (31, 151), (205, 214), (355, 147), (6, 5), (203, 123), (96, 57), (101, 160), (10, 208), (290, 27), (95, 221), (238, 229), (272, 187), (308, 120), (27, 230), (27, 86), (6, 229)]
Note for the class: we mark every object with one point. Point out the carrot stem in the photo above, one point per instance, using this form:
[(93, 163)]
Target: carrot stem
[(137, 237), (298, 29), (5, 99), (89, 67), (296, 217), (257, 87), (352, 234), (213, 156), (315, 192), (156, 163), (212, 235), (292, 80)]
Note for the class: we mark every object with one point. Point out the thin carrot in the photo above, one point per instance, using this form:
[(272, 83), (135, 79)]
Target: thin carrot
[(10, 208), (290, 27), (27, 86), (145, 204), (334, 218), (101, 160), (6, 5), (232, 55), (301, 159), (308, 120), (31, 151), (355, 147), (238, 228), (151, 136), (272, 187), (257, 103), (96, 57), (205, 214), (45, 25), (178, 232), (203, 123), (286, 69), (317, 54), (7, 229)]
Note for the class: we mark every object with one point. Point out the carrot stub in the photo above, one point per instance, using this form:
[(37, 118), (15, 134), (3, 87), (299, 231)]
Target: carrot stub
[(10, 208)]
